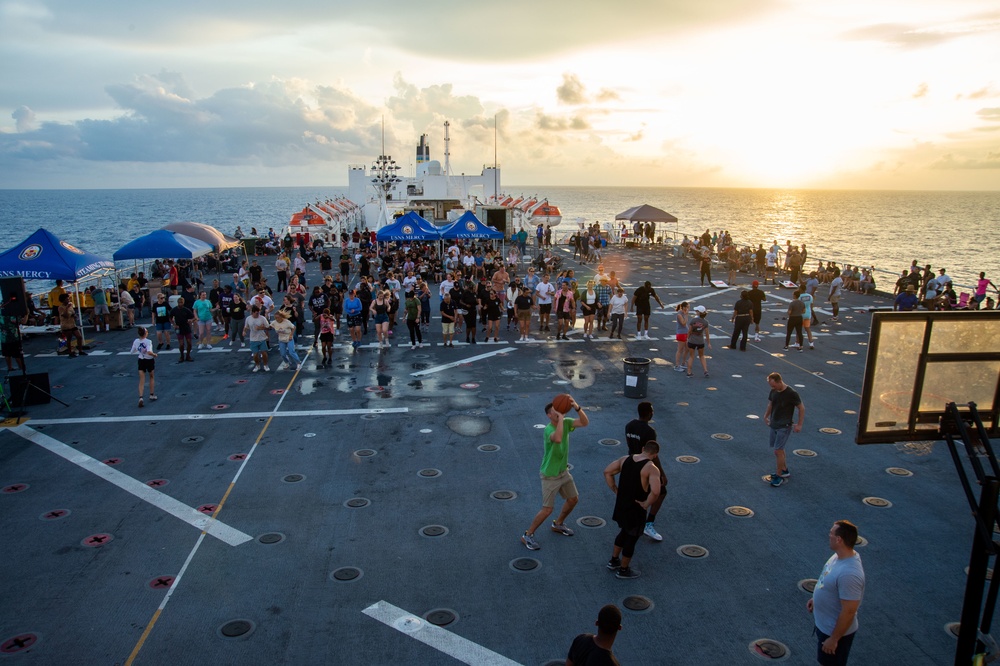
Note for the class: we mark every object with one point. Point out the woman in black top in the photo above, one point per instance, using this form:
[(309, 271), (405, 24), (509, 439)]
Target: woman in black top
[(237, 313), (492, 309)]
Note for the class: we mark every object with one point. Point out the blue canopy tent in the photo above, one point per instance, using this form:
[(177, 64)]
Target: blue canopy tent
[(409, 227), (163, 244), (43, 256), (469, 226)]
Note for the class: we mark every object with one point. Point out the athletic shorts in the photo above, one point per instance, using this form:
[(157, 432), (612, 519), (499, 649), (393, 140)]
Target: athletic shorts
[(681, 337), (165, 326), (353, 321), (779, 437), (565, 315), (258, 346), (562, 484), (544, 308), (381, 319), (101, 310), (147, 364), (695, 345), (448, 327), (184, 336), (642, 311), (524, 315)]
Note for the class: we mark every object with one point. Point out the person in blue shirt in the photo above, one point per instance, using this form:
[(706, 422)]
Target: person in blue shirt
[(907, 300), (353, 311)]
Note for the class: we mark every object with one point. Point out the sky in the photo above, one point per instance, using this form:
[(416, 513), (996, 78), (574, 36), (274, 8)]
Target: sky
[(854, 94)]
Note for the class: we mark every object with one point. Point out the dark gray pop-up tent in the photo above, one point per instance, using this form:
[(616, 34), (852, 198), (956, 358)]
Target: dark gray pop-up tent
[(645, 213)]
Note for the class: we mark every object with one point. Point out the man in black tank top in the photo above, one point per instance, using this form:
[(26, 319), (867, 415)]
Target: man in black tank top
[(637, 488), (637, 433)]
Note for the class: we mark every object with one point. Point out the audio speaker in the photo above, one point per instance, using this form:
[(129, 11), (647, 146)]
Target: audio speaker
[(37, 386), (15, 300)]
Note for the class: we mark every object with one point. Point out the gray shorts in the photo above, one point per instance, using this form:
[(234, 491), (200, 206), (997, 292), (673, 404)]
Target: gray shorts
[(779, 437)]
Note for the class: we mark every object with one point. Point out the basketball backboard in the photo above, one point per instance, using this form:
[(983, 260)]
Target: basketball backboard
[(918, 362)]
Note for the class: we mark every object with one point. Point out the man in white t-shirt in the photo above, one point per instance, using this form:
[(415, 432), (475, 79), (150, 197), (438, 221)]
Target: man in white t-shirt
[(543, 299), (256, 328), (771, 263), (263, 301)]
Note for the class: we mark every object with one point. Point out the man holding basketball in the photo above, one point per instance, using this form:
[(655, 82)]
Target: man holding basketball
[(554, 473)]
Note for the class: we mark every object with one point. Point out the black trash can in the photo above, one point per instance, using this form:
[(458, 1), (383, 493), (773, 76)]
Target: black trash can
[(636, 376)]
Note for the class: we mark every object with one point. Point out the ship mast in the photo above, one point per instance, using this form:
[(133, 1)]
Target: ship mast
[(385, 176)]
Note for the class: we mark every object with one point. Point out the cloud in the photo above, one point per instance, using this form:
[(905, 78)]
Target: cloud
[(608, 95), (552, 123), (921, 91), (24, 118), (471, 31), (982, 93), (914, 36), (571, 91), (949, 162), (268, 124), (432, 105), (989, 114)]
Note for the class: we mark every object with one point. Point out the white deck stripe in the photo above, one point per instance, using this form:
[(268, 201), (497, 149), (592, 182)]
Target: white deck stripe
[(440, 639), (220, 531), (219, 416), (446, 366)]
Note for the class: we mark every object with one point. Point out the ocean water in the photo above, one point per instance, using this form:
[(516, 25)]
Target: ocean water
[(887, 229)]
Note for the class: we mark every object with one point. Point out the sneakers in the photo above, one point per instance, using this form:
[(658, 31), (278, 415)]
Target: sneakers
[(200, 346), (800, 348), (614, 564), (152, 396), (626, 573), (283, 366), (561, 529), (267, 369), (756, 338), (812, 346), (784, 473), (255, 368), (651, 532), (208, 346), (776, 480), (159, 346), (140, 402), (529, 541)]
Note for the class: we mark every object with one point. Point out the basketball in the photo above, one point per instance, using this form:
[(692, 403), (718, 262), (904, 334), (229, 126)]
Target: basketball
[(562, 403)]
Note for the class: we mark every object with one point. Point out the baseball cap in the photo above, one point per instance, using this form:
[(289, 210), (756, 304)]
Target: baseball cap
[(755, 283), (700, 309)]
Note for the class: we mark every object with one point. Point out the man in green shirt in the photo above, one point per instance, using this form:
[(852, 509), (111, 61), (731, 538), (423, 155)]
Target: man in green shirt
[(554, 473)]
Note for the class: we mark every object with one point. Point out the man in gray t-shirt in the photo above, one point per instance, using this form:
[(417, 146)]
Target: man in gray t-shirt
[(837, 596)]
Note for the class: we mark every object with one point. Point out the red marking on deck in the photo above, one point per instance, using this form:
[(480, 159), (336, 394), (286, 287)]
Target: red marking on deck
[(97, 540)]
